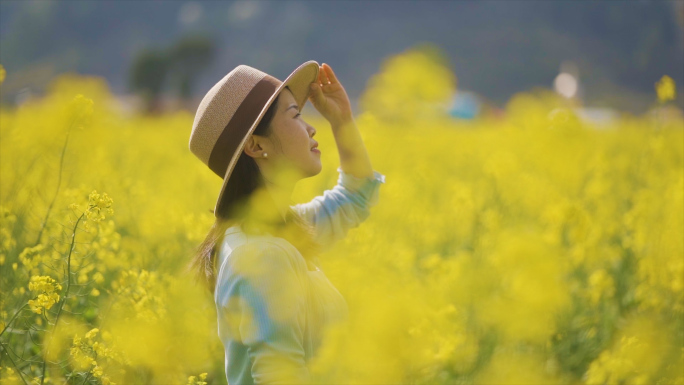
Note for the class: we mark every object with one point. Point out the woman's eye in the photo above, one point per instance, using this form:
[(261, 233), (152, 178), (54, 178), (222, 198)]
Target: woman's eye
[(296, 116)]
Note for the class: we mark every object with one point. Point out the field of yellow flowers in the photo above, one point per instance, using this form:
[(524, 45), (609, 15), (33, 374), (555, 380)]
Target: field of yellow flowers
[(531, 248)]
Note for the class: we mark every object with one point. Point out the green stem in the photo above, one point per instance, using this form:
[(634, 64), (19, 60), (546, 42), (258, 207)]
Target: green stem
[(86, 378), (13, 317), (64, 299), (59, 182), (13, 363)]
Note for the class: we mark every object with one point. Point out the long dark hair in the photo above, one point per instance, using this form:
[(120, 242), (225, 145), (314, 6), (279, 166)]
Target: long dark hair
[(235, 208)]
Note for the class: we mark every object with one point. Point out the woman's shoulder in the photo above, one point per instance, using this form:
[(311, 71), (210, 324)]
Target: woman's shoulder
[(267, 249), (236, 237)]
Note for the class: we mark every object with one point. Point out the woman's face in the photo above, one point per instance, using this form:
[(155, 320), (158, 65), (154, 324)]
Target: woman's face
[(290, 145)]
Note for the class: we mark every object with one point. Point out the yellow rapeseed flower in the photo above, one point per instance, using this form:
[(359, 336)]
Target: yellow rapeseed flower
[(666, 89), (2, 73), (192, 380), (92, 333), (97, 371), (45, 287), (490, 228), (98, 205), (81, 110), (98, 277)]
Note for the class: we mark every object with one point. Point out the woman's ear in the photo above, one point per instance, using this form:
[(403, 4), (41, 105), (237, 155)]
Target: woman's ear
[(253, 147)]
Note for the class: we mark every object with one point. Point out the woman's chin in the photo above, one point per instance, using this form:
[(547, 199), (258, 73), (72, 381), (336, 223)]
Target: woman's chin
[(317, 168)]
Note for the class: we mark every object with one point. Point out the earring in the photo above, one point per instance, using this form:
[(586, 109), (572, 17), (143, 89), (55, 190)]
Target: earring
[(265, 155)]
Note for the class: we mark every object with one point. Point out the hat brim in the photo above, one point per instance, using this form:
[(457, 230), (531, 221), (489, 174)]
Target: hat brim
[(298, 82)]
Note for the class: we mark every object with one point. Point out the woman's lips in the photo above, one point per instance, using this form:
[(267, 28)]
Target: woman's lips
[(316, 150)]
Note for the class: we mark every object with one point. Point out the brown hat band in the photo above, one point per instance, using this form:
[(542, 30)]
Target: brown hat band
[(239, 125)]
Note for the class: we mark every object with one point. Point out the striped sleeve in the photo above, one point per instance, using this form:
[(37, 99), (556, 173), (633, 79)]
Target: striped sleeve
[(266, 293), (341, 208)]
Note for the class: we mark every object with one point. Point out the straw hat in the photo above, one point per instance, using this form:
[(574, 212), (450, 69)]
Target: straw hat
[(233, 107)]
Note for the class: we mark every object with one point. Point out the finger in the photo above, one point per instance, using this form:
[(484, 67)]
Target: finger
[(315, 93), (320, 76), (325, 74), (331, 74)]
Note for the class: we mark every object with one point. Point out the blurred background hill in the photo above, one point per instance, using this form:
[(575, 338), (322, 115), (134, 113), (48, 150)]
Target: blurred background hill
[(173, 49)]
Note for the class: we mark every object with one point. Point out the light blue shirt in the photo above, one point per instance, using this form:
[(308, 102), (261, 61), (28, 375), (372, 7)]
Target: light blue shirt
[(272, 303)]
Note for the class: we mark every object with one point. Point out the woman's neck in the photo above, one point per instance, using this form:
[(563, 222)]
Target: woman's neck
[(282, 196)]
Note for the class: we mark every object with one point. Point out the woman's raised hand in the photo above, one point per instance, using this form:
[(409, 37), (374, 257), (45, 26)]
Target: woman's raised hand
[(329, 97)]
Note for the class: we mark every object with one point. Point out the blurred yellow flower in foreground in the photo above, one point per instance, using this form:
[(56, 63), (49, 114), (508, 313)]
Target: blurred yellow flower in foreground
[(80, 111)]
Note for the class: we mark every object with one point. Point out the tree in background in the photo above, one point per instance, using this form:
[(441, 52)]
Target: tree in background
[(147, 75), (189, 56), (178, 65)]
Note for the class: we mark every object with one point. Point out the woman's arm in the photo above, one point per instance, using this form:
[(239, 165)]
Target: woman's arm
[(354, 158), (341, 208), (331, 100), (348, 203)]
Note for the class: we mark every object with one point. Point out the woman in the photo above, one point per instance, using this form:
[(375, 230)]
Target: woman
[(260, 257)]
